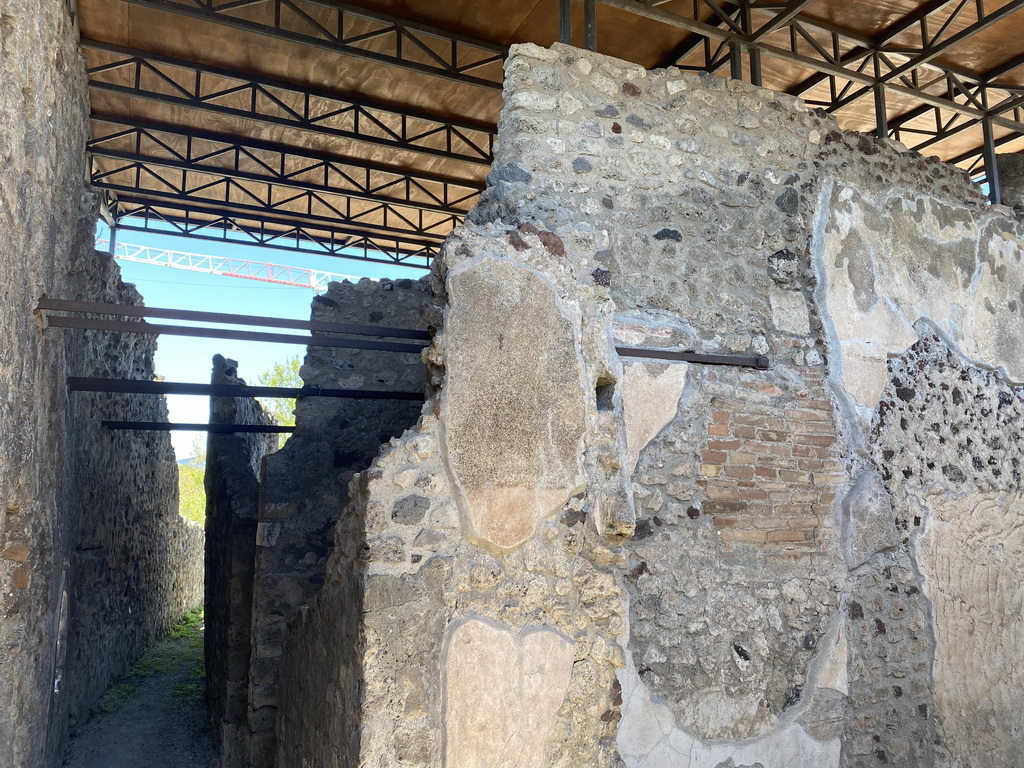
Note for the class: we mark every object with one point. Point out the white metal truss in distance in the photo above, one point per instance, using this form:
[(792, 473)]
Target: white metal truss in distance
[(266, 272)]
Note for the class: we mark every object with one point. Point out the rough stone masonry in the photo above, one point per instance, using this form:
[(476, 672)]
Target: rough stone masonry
[(95, 563), (580, 559)]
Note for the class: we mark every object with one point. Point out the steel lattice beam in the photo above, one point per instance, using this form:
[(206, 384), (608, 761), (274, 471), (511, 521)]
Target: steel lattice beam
[(839, 55), (223, 194), (354, 31), (134, 73), (124, 141), (141, 215)]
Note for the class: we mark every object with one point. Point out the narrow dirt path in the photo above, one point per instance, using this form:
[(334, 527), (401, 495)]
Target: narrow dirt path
[(154, 717)]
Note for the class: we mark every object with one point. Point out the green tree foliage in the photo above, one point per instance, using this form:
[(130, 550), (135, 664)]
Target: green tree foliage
[(191, 493), (283, 374)]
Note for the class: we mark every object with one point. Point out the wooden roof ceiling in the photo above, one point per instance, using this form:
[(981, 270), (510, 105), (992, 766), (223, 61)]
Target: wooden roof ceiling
[(365, 129)]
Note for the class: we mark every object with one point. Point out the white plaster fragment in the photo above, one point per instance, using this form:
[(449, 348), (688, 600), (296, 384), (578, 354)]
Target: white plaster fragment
[(501, 694), (789, 312), (650, 400), (649, 738)]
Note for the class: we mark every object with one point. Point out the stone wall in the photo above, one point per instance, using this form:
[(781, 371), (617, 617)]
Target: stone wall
[(94, 561), (626, 562), (305, 485), (233, 467), (137, 566)]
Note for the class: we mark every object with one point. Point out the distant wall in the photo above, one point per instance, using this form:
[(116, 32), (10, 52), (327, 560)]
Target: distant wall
[(94, 561), (305, 485), (233, 466), (138, 565)]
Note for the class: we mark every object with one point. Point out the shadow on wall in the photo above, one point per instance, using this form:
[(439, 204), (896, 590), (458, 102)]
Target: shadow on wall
[(279, 509)]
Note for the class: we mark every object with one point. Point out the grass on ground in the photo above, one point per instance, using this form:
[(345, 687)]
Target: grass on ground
[(179, 656)]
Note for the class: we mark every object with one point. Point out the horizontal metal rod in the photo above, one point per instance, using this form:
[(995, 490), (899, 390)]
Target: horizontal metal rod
[(123, 326), (652, 353), (167, 426), (135, 386), (759, 362), (127, 310)]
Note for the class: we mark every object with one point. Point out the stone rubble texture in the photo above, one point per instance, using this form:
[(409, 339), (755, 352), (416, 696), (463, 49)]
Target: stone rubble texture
[(95, 563), (305, 484), (566, 558), (232, 484), (813, 565)]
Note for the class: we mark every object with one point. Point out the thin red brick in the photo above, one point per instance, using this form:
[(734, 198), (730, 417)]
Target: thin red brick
[(728, 521), (786, 536), (723, 445), (750, 537)]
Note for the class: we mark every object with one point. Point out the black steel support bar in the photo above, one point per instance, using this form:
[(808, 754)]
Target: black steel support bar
[(126, 310), (188, 84), (270, 211), (881, 116), (50, 305), (167, 426), (214, 153), (199, 182), (565, 21), (735, 61), (462, 55), (995, 194), (590, 24), (129, 386), (653, 353), (200, 223), (122, 326), (846, 65)]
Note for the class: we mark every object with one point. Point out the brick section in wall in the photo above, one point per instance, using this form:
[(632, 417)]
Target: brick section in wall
[(770, 473)]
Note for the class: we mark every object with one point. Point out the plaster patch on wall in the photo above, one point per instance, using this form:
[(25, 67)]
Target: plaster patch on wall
[(650, 400), (833, 673), (971, 554), (649, 738), (514, 442), (889, 260), (502, 693)]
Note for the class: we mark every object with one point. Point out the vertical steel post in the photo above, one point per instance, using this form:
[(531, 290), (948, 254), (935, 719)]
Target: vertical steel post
[(755, 66), (881, 116), (735, 60), (753, 52), (590, 24), (565, 21), (113, 239), (991, 169)]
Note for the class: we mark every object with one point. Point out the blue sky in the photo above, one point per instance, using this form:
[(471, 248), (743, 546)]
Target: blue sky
[(180, 358)]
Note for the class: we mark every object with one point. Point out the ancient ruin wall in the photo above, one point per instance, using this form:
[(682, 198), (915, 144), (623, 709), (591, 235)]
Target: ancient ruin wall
[(654, 565), (137, 566), (94, 561), (233, 467), (305, 485)]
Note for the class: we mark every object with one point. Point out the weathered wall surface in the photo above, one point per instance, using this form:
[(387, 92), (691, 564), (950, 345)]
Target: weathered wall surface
[(137, 565), (305, 485), (233, 466), (94, 561), (577, 559)]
